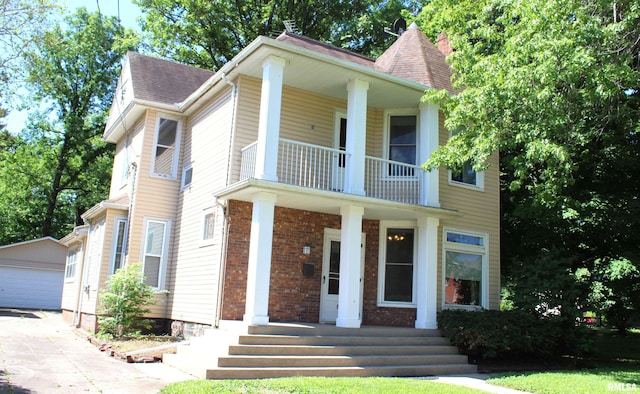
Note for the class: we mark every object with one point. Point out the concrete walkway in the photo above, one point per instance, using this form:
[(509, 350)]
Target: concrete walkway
[(39, 353)]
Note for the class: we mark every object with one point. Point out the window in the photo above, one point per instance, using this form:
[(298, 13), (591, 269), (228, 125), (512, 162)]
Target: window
[(72, 257), (465, 268), (166, 148), (466, 176), (402, 144), (155, 252), (209, 223), (187, 175), (396, 287), (119, 249)]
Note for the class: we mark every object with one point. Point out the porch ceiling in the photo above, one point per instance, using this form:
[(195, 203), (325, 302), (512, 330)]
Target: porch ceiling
[(329, 202), (329, 76)]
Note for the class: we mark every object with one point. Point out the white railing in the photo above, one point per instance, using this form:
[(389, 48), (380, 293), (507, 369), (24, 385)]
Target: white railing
[(319, 167), (307, 165), (392, 180)]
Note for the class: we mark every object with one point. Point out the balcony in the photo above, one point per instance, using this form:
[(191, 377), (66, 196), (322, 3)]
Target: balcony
[(322, 168)]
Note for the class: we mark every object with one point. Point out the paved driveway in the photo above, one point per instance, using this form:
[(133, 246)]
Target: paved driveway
[(39, 353)]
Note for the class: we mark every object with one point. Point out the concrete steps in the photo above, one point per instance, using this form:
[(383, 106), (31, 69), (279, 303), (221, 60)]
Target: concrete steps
[(281, 350)]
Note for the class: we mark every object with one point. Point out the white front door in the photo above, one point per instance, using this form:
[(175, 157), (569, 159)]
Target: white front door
[(331, 276)]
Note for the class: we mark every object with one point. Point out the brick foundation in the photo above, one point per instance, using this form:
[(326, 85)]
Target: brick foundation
[(293, 296)]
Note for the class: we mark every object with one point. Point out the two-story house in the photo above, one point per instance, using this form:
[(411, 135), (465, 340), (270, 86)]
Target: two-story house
[(287, 187)]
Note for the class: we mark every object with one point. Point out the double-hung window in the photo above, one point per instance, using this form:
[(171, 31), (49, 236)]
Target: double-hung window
[(396, 285), (155, 251), (465, 268), (403, 143), (166, 148), (72, 259), (120, 242), (466, 176)]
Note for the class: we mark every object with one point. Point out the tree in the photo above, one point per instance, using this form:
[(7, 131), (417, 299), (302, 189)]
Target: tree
[(208, 34), (554, 86), (20, 22), (62, 166), (124, 302)]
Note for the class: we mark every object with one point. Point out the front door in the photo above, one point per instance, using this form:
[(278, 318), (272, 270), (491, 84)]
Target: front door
[(331, 276), (340, 143)]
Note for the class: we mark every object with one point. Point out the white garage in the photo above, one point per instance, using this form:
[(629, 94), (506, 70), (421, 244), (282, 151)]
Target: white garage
[(32, 274)]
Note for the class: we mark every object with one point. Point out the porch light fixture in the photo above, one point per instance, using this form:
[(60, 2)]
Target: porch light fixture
[(306, 249)]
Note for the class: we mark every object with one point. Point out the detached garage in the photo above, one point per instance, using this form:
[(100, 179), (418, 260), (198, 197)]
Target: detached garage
[(32, 274)]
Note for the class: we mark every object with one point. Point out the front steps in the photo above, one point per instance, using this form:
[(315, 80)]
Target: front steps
[(281, 350)]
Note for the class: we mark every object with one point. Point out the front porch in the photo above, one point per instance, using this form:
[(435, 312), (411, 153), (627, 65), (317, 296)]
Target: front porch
[(237, 351)]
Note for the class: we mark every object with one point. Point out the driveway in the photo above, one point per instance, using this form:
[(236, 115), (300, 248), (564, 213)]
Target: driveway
[(39, 353)]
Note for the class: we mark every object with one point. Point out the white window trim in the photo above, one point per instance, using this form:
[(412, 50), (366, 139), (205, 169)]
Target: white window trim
[(112, 259), (386, 140), (165, 249), (176, 152), (75, 251), (207, 242), (184, 177), (460, 247), (479, 186), (382, 254)]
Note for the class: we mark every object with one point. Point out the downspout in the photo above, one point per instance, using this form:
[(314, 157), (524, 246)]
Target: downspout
[(223, 262), (222, 265)]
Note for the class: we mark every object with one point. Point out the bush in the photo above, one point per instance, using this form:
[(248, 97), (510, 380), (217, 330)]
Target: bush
[(124, 302), (511, 334)]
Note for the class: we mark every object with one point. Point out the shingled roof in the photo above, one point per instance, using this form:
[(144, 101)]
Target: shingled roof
[(164, 81), (320, 47), (414, 57)]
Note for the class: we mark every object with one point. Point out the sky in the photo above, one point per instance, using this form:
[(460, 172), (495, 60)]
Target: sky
[(128, 14)]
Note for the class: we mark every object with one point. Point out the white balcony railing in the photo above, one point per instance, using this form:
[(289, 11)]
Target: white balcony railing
[(323, 168)]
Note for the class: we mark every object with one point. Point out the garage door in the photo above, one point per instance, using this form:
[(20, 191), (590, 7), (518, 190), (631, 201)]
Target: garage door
[(35, 289)]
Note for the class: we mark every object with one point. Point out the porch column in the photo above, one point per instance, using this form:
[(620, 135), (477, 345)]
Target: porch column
[(259, 267), (356, 136), (269, 121), (427, 273), (350, 258), (429, 133)]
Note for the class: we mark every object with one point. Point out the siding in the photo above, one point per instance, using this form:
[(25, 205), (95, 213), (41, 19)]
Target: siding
[(480, 213), (193, 274), (72, 285)]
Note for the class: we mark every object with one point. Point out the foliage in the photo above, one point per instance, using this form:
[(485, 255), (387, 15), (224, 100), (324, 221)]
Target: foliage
[(554, 86), (124, 302), (20, 22), (61, 166), (511, 334), (314, 385), (209, 33)]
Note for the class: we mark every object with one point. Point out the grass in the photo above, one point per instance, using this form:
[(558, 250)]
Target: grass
[(615, 367), (316, 385)]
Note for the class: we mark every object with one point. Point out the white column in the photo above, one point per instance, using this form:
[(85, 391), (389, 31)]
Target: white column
[(356, 136), (269, 121), (350, 258), (429, 134), (259, 267), (427, 273)]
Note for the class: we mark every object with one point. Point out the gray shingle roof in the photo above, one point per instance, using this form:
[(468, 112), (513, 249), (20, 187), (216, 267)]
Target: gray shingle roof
[(414, 57), (164, 81)]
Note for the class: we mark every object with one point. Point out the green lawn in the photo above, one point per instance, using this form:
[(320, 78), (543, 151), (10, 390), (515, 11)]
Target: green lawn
[(616, 368), (314, 385)]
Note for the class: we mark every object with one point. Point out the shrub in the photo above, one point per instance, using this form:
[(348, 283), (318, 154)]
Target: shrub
[(510, 334), (124, 302)]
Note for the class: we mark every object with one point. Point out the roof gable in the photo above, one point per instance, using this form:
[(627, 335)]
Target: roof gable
[(415, 58), (164, 81)]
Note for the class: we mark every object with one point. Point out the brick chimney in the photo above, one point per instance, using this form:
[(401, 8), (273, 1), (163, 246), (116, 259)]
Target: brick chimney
[(443, 44)]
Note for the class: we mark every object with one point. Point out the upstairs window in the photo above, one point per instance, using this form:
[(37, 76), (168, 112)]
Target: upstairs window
[(166, 148), (466, 176), (403, 143), (187, 176)]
